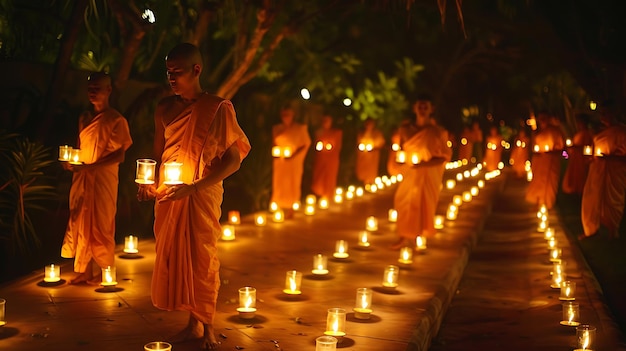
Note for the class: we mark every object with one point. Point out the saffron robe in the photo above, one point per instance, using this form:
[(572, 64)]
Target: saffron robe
[(417, 195), (90, 230), (605, 188), (546, 167), (367, 162), (519, 156), (287, 172), (493, 152), (186, 268), (577, 164), (326, 161)]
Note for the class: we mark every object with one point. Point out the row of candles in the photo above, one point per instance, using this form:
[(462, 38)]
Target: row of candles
[(585, 333)]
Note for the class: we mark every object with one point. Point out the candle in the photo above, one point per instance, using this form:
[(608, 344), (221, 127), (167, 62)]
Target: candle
[(467, 196), (439, 221), (363, 238), (457, 200), (323, 204), (295, 206), (474, 191), (366, 147), (247, 302), (450, 184), (420, 243), (260, 219), (131, 244), (338, 198), (341, 249), (172, 173), (52, 274), (273, 206), (393, 215), (406, 255), (451, 214), (336, 322), (549, 233), (598, 152), (585, 337), (75, 158), (309, 210), (3, 303), (64, 152), (543, 225), (415, 159), (557, 280), (552, 243), (371, 224), (568, 288), (363, 304), (319, 264), (146, 168), (390, 277), (293, 280), (310, 199), (555, 255), (325, 343), (278, 216), (276, 151), (400, 156), (359, 191), (481, 184), (349, 195), (108, 276), (228, 232), (157, 346), (587, 150), (459, 177), (466, 174), (558, 268), (234, 217), (286, 152), (571, 314)]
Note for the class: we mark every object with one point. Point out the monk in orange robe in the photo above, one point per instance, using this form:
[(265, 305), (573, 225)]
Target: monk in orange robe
[(417, 195), (493, 150), (288, 168), (369, 142), (519, 154), (326, 162), (200, 131), (393, 168), (103, 139), (546, 163), (605, 188), (578, 164)]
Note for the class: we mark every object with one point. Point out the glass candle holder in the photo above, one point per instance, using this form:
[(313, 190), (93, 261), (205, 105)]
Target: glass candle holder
[(450, 184), (363, 303), (392, 216), (341, 249), (555, 255), (349, 195), (585, 337), (390, 277), (549, 233), (325, 343), (338, 198), (406, 255), (558, 268), (52, 273), (273, 207), (568, 290), (278, 216), (293, 281), (571, 314), (336, 322), (247, 302), (145, 171), (371, 224), (439, 221), (364, 238), (323, 203), (260, 219), (359, 191), (309, 210), (552, 244), (481, 184), (65, 152), (457, 200), (310, 199), (131, 244), (474, 191), (3, 304), (420, 243), (466, 196), (109, 277), (75, 157), (157, 346), (228, 232), (400, 156), (542, 226), (234, 217), (296, 206), (557, 280), (172, 172), (451, 214), (320, 264)]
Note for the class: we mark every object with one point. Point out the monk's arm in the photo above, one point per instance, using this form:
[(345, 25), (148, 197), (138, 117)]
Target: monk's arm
[(227, 165)]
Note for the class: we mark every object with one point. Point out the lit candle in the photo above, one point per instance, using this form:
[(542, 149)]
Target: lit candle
[(543, 225), (3, 303), (64, 152), (293, 280), (555, 255), (172, 173), (467, 196), (459, 177), (549, 233), (323, 204), (598, 152), (325, 343), (571, 314), (568, 288), (319, 264), (350, 195), (400, 156), (359, 191), (451, 214), (157, 346), (273, 206), (363, 303), (75, 157), (415, 159), (234, 217), (568, 142), (52, 274), (439, 221), (286, 152), (587, 150), (557, 280), (247, 302), (450, 184), (363, 238), (309, 210), (406, 255), (146, 168), (393, 215), (228, 232), (108, 276), (420, 243), (481, 184), (552, 243), (390, 277), (131, 244), (310, 199), (276, 151), (457, 200), (341, 249), (338, 198), (474, 191), (336, 322), (278, 216), (585, 337), (536, 148), (260, 219), (371, 224), (295, 206)]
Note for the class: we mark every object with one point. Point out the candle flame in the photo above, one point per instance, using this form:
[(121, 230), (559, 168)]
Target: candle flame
[(364, 303), (585, 338), (248, 302), (335, 326), (292, 283)]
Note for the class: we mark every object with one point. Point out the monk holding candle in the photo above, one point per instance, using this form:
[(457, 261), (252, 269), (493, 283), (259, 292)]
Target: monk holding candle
[(605, 188), (577, 163), (294, 141), (103, 139), (200, 131), (519, 154), (326, 161), (546, 163), (418, 194), (369, 142)]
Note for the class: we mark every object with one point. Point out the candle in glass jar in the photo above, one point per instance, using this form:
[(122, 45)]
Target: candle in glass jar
[(260, 219), (52, 273), (552, 243), (439, 222), (336, 322), (325, 343), (247, 302), (228, 232), (420, 243), (359, 191), (466, 196), (293, 280), (549, 234), (363, 304), (131, 244), (310, 199), (457, 200), (172, 171), (75, 157), (234, 217), (474, 190), (338, 198), (481, 184), (371, 224), (587, 150), (341, 249), (390, 277), (585, 337), (557, 280), (278, 216), (323, 203), (568, 289), (571, 314), (392, 216), (65, 152), (157, 346), (450, 184), (319, 264), (309, 210), (108, 276), (400, 156), (555, 255), (364, 238), (406, 255), (3, 303), (146, 168), (451, 214)]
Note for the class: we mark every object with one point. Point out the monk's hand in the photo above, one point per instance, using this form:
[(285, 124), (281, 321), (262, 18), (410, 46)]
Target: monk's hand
[(178, 192), (77, 167), (146, 192)]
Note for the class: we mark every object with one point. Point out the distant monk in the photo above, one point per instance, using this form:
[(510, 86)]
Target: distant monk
[(103, 140), (369, 142), (326, 161), (577, 163), (546, 163), (466, 144), (417, 195), (519, 153), (200, 131), (605, 188), (293, 140), (493, 150)]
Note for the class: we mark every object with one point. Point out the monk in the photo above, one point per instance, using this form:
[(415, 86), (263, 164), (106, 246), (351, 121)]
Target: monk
[(578, 164), (103, 140), (326, 162), (200, 131), (369, 142), (493, 149), (294, 138), (546, 163), (417, 195), (393, 168), (605, 188), (519, 154)]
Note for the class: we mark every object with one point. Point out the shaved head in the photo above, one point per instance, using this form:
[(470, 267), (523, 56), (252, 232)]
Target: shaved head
[(100, 78), (185, 52)]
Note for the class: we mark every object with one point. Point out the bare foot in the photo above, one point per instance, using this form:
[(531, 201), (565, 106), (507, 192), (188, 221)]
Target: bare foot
[(80, 278), (209, 342), (192, 331)]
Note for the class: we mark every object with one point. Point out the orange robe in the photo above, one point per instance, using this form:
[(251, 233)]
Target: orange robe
[(519, 156), (493, 152), (393, 168), (186, 268), (577, 164), (367, 161), (417, 195), (546, 167), (605, 188), (90, 231), (326, 162), (287, 172)]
